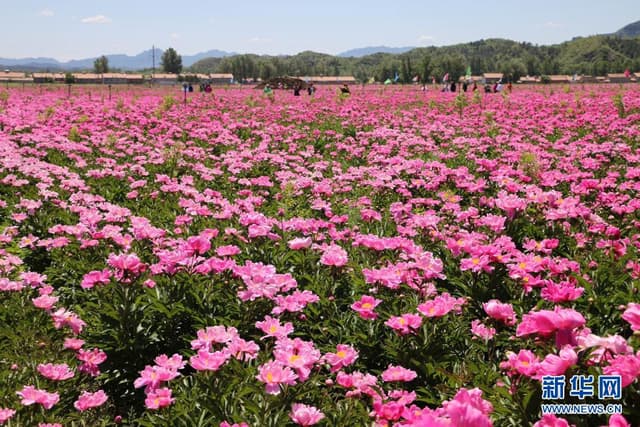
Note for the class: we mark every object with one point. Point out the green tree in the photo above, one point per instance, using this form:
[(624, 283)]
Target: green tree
[(267, 70), (361, 75), (513, 69), (171, 61), (101, 65), (406, 73), (425, 70)]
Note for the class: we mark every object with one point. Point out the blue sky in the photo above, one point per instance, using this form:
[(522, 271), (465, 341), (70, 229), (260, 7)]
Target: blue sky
[(74, 29)]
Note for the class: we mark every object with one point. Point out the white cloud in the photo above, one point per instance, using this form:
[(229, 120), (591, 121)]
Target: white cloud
[(174, 36), (426, 39), (259, 40), (551, 24), (98, 19), (46, 12)]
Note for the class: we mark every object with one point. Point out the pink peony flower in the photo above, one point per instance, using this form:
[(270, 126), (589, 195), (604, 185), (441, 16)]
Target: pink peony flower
[(299, 243), (294, 302), (334, 256), (476, 264), (55, 372), (73, 343), (229, 250), (127, 266), (365, 307), (273, 374), (63, 317), (387, 411), (632, 315), (482, 331), (524, 363), (546, 322), (206, 361), (91, 359), (398, 373), (243, 349), (272, 328), (31, 395), (213, 334), (297, 354), (405, 324), (627, 366), (561, 292), (159, 398), (198, 245), (441, 305), (469, 409), (93, 278), (305, 415), (558, 365), (45, 302), (617, 420), (345, 355), (152, 376), (5, 414), (89, 400), (500, 311), (550, 420), (173, 363)]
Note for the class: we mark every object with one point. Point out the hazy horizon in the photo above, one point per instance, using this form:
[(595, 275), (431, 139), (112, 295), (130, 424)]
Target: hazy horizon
[(75, 30)]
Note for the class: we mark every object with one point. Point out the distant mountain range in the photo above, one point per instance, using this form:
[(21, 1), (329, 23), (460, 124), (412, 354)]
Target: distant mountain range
[(364, 51), (144, 60), (631, 30), (123, 62)]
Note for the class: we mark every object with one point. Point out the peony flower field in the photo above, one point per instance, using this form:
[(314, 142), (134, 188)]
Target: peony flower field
[(389, 258)]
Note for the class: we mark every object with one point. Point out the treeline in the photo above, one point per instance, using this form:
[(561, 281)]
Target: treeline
[(595, 55)]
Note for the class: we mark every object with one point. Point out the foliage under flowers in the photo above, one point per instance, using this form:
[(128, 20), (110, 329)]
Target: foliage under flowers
[(395, 258)]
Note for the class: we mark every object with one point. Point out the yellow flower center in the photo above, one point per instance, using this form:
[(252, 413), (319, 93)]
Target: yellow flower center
[(367, 306), (293, 358), (341, 354)]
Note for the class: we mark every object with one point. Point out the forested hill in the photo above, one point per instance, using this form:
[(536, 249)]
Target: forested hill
[(631, 30), (594, 55)]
